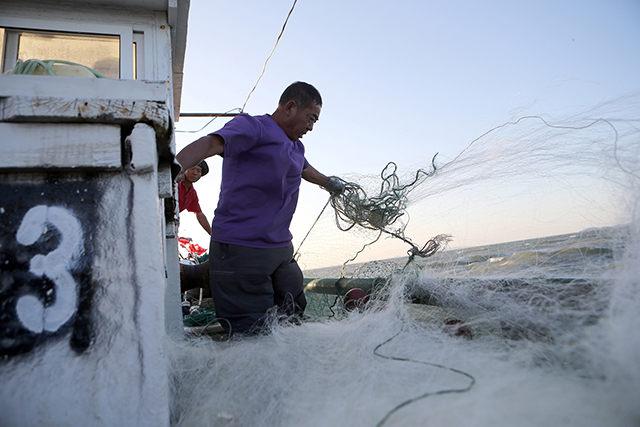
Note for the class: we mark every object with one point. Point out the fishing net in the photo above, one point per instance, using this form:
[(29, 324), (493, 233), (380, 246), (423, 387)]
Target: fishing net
[(508, 293), (519, 177)]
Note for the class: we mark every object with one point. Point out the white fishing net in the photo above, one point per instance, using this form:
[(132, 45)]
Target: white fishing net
[(536, 330)]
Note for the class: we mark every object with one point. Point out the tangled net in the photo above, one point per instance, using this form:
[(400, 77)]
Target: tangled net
[(383, 211)]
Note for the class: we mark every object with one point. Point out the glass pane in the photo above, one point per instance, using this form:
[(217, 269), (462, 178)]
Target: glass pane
[(102, 53)]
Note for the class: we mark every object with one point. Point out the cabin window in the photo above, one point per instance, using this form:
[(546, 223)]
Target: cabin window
[(99, 52)]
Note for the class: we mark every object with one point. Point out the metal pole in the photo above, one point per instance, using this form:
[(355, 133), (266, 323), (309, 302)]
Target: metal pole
[(208, 114)]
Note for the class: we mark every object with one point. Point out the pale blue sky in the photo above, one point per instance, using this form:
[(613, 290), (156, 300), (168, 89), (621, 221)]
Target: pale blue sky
[(403, 80)]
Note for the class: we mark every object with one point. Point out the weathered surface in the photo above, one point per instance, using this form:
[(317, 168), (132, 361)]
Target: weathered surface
[(73, 87), (73, 146), (86, 110), (140, 150), (125, 112), (82, 295)]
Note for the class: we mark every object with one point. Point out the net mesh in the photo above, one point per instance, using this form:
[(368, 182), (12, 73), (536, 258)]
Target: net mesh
[(523, 316)]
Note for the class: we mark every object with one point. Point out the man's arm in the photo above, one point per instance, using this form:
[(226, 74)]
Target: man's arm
[(204, 222), (199, 150), (332, 184), (312, 175)]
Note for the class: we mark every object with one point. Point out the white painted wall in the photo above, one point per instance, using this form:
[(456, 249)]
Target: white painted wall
[(29, 145), (121, 378)]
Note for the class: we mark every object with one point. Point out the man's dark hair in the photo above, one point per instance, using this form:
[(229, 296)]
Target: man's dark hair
[(301, 92)]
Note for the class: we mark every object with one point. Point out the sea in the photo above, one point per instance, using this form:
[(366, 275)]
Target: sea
[(581, 263), (582, 254)]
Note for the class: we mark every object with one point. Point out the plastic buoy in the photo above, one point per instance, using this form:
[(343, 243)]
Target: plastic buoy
[(355, 299), (457, 328)]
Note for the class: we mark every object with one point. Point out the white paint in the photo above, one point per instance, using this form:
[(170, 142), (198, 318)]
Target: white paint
[(165, 182), (147, 242), (122, 379), (28, 145), (138, 39), (172, 311), (142, 142), (55, 265), (73, 87)]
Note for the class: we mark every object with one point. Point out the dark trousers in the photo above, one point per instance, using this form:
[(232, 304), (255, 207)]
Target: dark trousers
[(249, 284)]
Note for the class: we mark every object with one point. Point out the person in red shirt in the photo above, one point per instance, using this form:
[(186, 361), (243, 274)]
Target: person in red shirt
[(187, 196)]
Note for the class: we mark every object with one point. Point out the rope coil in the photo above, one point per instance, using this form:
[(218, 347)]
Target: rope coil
[(353, 206)]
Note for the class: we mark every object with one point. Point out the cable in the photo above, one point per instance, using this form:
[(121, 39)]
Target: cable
[(407, 402), (295, 256), (353, 258), (264, 67), (335, 301)]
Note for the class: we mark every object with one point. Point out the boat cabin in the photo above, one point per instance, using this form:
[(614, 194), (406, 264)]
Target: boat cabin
[(89, 286)]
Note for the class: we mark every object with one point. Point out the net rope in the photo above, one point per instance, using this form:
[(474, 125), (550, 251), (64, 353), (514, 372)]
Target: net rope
[(382, 212)]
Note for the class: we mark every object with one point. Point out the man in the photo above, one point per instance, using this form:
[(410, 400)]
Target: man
[(252, 269), (187, 196)]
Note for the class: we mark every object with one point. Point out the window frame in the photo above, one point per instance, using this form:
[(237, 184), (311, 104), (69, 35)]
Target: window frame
[(138, 40), (14, 25)]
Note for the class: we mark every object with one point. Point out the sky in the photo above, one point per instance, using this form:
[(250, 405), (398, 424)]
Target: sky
[(403, 80)]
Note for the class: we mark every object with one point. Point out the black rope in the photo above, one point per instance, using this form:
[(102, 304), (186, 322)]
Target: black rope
[(407, 402), (264, 67), (335, 301), (344, 264), (295, 256)]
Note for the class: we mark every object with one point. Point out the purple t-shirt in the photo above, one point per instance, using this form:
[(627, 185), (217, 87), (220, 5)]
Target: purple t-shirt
[(261, 174)]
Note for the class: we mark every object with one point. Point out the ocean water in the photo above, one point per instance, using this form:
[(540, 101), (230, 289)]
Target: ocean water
[(583, 254), (555, 267), (550, 338)]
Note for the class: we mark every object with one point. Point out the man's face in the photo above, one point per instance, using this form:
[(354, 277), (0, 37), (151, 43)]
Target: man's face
[(193, 174), (302, 120)]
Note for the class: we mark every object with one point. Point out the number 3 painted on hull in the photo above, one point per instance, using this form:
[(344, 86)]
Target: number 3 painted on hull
[(55, 266)]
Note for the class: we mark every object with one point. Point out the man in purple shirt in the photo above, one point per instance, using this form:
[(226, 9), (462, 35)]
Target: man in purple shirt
[(252, 270)]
